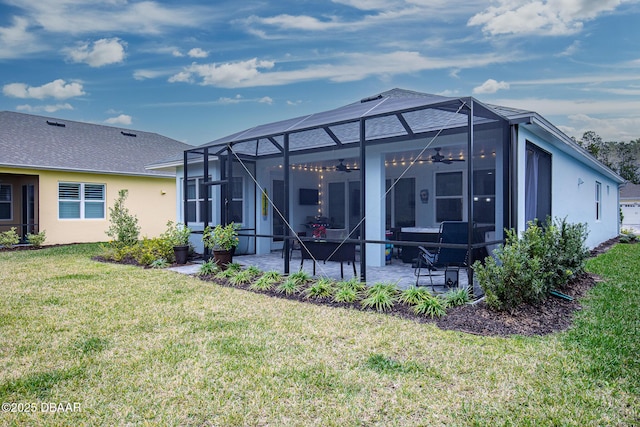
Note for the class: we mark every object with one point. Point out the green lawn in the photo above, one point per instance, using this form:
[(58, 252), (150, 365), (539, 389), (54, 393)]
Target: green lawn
[(132, 346)]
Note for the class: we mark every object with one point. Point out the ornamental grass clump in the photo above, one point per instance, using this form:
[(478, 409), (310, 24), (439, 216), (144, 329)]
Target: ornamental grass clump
[(322, 288), (381, 296), (348, 291), (432, 306)]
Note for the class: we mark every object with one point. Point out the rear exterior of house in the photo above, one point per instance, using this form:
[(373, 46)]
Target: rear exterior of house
[(394, 166), (62, 176)]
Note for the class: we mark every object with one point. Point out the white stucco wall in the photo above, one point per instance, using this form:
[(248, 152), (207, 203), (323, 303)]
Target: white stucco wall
[(572, 191)]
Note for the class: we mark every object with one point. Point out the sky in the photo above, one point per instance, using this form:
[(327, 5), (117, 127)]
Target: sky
[(197, 70)]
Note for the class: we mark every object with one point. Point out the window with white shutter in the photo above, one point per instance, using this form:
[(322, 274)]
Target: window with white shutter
[(81, 201)]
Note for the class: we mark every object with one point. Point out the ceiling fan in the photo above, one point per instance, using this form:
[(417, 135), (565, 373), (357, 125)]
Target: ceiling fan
[(341, 167), (439, 158)]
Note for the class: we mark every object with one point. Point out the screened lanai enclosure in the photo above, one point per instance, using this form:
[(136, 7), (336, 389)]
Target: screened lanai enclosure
[(379, 175)]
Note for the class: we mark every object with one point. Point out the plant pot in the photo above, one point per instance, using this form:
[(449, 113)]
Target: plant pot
[(181, 253), (222, 258)]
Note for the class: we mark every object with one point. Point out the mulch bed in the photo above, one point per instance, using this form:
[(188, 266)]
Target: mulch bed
[(552, 315)]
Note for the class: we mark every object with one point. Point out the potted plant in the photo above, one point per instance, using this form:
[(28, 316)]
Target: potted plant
[(178, 235), (222, 240)]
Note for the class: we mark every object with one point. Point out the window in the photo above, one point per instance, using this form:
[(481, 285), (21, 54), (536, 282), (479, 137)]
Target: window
[(196, 191), (598, 201), (81, 201), (6, 202), (449, 196)]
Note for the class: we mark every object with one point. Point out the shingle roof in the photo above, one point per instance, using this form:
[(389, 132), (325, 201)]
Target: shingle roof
[(29, 141), (630, 191)]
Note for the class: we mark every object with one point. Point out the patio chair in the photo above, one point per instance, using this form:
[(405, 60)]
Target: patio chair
[(444, 259)]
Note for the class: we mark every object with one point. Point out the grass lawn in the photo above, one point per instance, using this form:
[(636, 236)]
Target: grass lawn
[(134, 346)]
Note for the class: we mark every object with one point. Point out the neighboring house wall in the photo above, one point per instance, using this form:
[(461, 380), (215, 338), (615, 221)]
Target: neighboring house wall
[(573, 192), (150, 199)]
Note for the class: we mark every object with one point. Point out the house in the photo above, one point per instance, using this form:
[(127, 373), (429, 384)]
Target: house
[(630, 206), (391, 168), (61, 176)]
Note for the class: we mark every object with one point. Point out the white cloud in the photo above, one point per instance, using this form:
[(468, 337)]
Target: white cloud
[(293, 103), (58, 89), (491, 86), (352, 67), (46, 108), (99, 53), (572, 49), (230, 74), (540, 17), (196, 52), (177, 53), (122, 119), (16, 40), (265, 100), (149, 74), (610, 129), (140, 17)]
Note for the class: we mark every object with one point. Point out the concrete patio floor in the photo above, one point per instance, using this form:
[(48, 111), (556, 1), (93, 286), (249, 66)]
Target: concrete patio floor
[(394, 272)]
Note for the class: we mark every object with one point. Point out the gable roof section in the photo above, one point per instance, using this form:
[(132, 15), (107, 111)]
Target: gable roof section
[(630, 191), (37, 142)]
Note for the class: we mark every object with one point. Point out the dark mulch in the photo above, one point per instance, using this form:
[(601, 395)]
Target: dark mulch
[(552, 315)]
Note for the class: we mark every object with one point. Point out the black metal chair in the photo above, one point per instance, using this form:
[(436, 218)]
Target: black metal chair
[(444, 259)]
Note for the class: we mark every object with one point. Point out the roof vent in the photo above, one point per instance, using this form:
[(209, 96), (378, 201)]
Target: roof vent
[(371, 98), (62, 125), (128, 134)]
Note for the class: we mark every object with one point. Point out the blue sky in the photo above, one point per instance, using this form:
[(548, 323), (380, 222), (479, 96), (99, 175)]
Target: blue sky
[(198, 70)]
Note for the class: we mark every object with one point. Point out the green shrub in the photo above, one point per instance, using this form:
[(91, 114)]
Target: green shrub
[(346, 294), (149, 250), (9, 238), (123, 228), (628, 236), (253, 271), (176, 233), (264, 283), (568, 251), (242, 277), (36, 240), (381, 296), (322, 288), (456, 297), (348, 291), (413, 295), (289, 287), (431, 306), (207, 268), (144, 252), (159, 263), (300, 277), (231, 271), (528, 268)]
